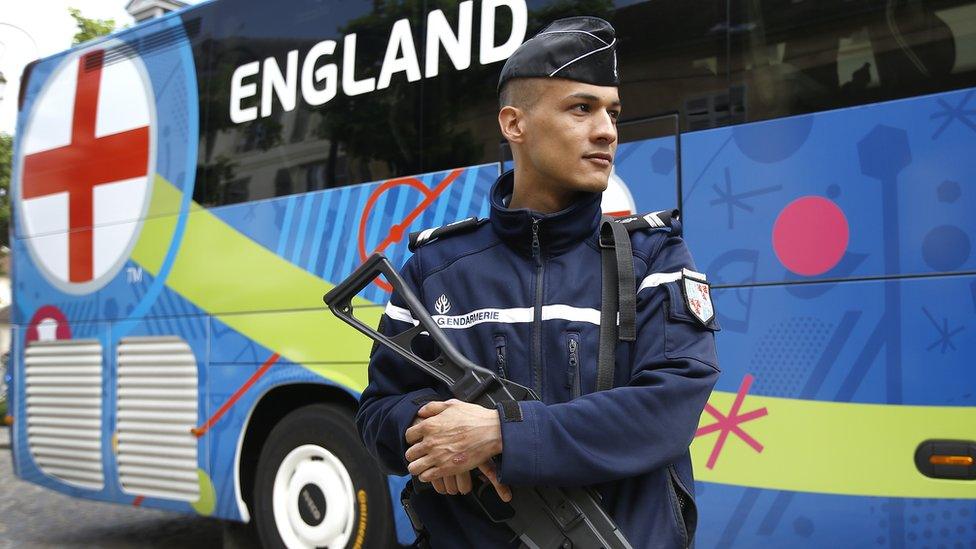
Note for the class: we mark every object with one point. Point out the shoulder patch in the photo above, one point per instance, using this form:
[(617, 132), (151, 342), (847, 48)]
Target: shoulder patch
[(664, 219), (425, 236)]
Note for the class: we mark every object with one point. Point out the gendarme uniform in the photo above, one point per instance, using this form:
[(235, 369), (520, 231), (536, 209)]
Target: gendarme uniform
[(520, 293)]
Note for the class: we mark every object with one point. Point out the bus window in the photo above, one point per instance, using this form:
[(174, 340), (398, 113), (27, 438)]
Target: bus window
[(798, 57), (284, 116), (672, 57)]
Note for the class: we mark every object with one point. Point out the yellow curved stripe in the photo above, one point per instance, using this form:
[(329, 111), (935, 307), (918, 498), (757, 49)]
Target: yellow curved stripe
[(808, 446), (834, 447), (229, 276)]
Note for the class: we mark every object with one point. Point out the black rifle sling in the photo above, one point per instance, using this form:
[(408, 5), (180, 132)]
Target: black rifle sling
[(618, 295)]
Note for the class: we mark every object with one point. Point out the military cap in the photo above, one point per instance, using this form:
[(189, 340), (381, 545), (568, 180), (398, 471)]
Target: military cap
[(575, 48)]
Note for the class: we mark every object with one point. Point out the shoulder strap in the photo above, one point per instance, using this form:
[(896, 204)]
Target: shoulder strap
[(618, 308), (618, 295), (425, 236)]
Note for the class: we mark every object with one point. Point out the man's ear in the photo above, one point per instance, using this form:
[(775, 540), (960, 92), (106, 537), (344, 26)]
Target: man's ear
[(511, 121)]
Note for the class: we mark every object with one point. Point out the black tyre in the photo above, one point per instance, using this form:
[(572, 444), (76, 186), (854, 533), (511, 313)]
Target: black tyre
[(315, 485)]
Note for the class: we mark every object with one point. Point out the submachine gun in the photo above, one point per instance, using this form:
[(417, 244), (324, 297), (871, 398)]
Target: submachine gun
[(542, 517)]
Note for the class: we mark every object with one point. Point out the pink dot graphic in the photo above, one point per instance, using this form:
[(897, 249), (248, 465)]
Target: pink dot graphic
[(810, 235)]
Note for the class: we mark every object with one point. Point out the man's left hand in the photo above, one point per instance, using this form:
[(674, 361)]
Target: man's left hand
[(453, 437)]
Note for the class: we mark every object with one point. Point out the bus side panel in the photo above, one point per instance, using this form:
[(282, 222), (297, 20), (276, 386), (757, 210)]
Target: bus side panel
[(129, 298), (889, 194), (829, 448), (840, 381)]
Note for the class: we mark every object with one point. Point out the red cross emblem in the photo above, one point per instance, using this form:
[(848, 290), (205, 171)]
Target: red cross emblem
[(93, 156)]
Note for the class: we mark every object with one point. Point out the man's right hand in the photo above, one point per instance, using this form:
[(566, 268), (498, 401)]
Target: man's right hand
[(461, 482)]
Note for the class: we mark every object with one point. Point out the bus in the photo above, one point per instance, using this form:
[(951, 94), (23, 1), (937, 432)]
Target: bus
[(186, 190)]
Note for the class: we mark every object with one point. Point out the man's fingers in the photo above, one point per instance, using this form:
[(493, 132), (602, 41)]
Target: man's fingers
[(450, 483), (432, 409), (417, 467), (416, 452), (438, 484), (414, 434), (464, 482), (504, 492), (430, 474)]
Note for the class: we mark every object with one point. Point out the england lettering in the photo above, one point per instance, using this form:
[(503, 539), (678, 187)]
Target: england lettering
[(317, 83)]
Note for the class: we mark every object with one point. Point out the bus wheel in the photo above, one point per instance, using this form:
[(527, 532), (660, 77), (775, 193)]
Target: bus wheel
[(315, 485)]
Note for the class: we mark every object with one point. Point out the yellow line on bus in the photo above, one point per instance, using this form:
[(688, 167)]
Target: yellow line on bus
[(834, 447)]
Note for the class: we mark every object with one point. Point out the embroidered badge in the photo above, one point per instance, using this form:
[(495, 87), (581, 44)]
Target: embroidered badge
[(442, 305), (698, 297)]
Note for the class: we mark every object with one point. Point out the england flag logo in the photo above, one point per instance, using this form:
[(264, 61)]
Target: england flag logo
[(87, 159)]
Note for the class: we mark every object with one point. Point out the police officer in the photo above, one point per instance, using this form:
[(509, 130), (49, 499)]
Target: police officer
[(521, 292)]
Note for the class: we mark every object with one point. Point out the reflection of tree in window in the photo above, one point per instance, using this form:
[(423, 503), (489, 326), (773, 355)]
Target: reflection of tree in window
[(211, 179), (673, 58), (809, 56), (261, 134), (235, 191), (300, 129)]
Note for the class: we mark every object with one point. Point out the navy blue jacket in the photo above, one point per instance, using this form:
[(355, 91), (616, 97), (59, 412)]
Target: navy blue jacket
[(533, 313)]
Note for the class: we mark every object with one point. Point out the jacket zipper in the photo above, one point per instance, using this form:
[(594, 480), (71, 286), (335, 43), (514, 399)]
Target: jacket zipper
[(537, 321), (574, 364), (500, 355)]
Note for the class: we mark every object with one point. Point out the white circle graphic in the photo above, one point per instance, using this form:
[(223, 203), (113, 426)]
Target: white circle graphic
[(617, 199), (85, 166)]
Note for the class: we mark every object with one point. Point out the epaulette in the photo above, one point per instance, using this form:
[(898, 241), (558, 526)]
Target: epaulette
[(664, 219), (425, 236)]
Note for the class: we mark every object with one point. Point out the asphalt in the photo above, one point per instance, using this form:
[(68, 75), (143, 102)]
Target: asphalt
[(33, 517)]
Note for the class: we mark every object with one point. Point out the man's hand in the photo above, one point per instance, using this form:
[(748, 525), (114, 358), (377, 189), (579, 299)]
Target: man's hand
[(452, 437), (461, 483), (453, 484)]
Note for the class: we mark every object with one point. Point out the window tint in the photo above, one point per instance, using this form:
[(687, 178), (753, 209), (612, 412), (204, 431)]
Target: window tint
[(272, 148), (713, 64), (672, 58), (793, 57)]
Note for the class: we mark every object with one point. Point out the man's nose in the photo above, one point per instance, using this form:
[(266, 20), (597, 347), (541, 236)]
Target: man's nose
[(605, 130)]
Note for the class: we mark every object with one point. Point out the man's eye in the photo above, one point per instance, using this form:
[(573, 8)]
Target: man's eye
[(583, 107), (615, 114)]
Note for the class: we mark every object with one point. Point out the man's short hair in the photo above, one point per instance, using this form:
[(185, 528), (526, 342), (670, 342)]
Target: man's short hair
[(522, 93)]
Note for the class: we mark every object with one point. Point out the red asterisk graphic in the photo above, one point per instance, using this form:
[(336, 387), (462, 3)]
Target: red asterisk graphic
[(730, 424), (88, 161)]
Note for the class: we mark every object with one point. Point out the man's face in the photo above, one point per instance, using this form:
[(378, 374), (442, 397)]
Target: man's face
[(571, 133)]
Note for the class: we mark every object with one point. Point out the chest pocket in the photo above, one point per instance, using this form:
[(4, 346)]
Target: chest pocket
[(684, 335)]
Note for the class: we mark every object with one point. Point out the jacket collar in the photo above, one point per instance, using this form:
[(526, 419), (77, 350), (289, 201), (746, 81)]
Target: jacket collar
[(558, 232)]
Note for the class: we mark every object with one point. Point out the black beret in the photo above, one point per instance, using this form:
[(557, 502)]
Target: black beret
[(576, 48)]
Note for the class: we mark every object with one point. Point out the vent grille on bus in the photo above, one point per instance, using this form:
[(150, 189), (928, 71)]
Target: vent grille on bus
[(64, 409), (157, 453)]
